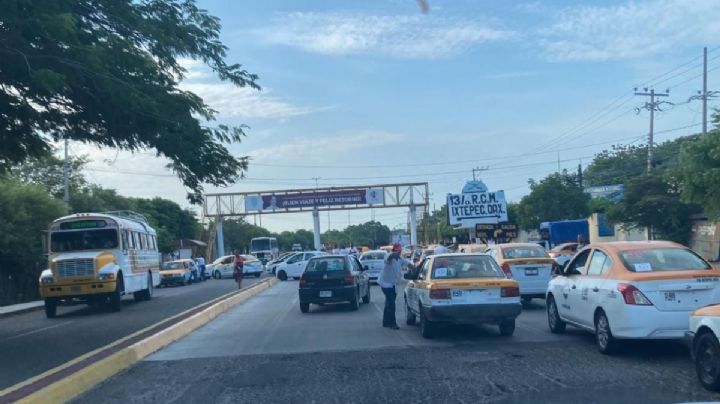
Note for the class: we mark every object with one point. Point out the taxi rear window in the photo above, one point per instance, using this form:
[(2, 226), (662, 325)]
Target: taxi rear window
[(463, 267), (524, 252), (662, 259), (326, 264), (373, 256)]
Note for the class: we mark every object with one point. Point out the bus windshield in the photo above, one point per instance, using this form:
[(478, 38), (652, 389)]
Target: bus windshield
[(260, 244), (83, 240)]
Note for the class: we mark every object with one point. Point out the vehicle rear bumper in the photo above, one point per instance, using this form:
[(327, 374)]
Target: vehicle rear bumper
[(473, 313), (647, 322), (77, 291), (339, 294)]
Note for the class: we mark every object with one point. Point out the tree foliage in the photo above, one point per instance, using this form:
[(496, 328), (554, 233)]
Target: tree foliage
[(237, 234), (651, 201), (371, 234), (556, 197), (699, 173), (26, 211), (107, 73)]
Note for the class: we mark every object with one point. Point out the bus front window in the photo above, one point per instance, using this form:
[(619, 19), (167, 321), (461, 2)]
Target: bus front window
[(260, 245), (83, 240)]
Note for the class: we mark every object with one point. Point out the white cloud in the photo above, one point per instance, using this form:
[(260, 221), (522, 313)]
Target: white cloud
[(325, 150), (630, 31), (237, 102), (403, 36)]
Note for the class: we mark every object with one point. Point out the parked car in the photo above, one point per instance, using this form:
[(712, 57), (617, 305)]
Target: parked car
[(461, 288), (333, 279), (702, 339), (563, 252), (373, 262), (631, 290), (223, 267), (271, 266), (178, 272), (294, 266), (527, 263)]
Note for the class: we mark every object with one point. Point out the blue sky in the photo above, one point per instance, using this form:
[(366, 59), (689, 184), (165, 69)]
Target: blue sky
[(359, 86)]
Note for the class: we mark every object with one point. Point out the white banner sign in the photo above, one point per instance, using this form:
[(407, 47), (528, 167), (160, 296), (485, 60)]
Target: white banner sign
[(470, 208)]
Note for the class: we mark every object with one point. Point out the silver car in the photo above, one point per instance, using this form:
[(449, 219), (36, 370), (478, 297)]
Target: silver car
[(374, 261)]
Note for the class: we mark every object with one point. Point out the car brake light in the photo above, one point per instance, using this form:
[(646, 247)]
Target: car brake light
[(632, 295), (349, 279), (439, 293), (303, 281), (510, 291), (506, 269)]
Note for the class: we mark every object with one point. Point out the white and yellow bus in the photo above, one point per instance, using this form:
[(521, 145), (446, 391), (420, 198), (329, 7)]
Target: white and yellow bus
[(98, 258)]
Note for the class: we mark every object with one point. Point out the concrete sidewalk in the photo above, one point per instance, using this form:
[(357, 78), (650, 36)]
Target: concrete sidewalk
[(13, 309)]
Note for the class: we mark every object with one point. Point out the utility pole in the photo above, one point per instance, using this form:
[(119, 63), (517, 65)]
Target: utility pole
[(558, 156), (478, 169), (580, 175), (652, 106), (66, 176), (704, 92)]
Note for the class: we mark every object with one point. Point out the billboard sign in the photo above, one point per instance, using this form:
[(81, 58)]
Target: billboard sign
[(476, 205), (506, 231), (368, 196), (611, 192)]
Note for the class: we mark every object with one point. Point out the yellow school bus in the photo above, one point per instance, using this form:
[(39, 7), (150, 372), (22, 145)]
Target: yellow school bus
[(99, 257)]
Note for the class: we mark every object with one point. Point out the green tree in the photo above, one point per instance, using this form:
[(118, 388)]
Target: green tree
[(556, 197), (26, 212), (652, 202), (237, 234), (107, 73), (48, 171), (171, 221), (699, 173)]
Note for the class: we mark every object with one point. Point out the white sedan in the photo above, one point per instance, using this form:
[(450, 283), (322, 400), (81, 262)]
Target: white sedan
[(373, 262), (704, 345), (294, 266), (223, 267)]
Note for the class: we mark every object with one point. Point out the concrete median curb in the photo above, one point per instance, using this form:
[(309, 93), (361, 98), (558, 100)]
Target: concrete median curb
[(67, 381)]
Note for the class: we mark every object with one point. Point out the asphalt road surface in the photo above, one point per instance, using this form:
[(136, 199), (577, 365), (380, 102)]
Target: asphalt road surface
[(266, 351), (31, 344)]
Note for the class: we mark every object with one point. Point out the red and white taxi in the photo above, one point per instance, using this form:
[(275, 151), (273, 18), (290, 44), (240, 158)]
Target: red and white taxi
[(624, 290)]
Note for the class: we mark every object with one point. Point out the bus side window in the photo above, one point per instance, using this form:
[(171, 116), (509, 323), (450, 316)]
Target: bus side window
[(136, 240), (125, 243), (153, 243), (144, 241)]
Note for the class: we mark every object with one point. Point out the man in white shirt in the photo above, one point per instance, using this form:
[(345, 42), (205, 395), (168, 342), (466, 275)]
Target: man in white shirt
[(388, 279)]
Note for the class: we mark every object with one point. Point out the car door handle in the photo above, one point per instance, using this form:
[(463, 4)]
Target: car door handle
[(595, 289)]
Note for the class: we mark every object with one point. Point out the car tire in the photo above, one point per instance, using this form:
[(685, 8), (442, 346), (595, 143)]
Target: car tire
[(366, 298), (526, 300), (116, 296), (50, 307), (282, 275), (410, 317), (304, 307), (607, 344), (355, 302), (557, 326), (507, 327), (706, 351), (428, 329)]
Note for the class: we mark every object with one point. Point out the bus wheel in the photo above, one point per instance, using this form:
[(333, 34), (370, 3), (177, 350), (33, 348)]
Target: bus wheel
[(50, 307), (145, 294), (116, 296)]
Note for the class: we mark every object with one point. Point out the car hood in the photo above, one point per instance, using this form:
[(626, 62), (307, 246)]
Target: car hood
[(172, 271)]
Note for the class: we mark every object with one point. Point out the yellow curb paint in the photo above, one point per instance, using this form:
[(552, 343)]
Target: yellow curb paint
[(75, 384)]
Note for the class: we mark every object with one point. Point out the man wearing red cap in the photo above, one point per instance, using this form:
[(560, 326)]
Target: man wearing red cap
[(388, 280)]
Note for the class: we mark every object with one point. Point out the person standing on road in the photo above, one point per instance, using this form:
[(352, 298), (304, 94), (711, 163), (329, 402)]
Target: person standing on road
[(238, 269), (200, 262), (388, 280)]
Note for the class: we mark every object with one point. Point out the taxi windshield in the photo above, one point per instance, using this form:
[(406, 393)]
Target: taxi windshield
[(326, 264), (376, 255), (662, 259), (524, 252), (465, 266), (172, 265)]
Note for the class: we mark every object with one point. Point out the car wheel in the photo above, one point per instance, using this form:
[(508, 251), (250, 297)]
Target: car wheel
[(526, 300), (507, 327), (216, 274), (366, 298), (427, 327), (355, 302), (607, 344), (304, 307), (282, 275), (50, 307), (707, 361), (410, 317), (556, 325)]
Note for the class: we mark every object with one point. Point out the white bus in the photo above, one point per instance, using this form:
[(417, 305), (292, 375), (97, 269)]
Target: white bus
[(98, 258), (264, 248)]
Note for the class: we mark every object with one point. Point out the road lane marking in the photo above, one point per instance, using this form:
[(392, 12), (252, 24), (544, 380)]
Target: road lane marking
[(25, 334)]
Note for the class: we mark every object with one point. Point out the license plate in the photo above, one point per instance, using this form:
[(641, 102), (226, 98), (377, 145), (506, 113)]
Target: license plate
[(669, 296), (326, 293), (74, 288), (531, 271)]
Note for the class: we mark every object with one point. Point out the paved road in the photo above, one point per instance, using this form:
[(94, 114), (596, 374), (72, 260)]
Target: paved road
[(267, 351), (31, 344)]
